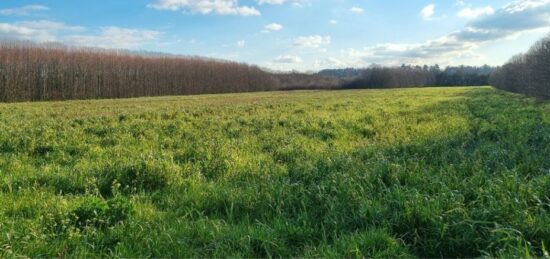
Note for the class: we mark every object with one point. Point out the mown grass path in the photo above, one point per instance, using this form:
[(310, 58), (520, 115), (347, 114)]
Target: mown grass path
[(432, 172)]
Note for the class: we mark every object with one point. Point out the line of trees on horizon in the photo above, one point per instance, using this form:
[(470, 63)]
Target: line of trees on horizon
[(527, 73), (33, 72), (53, 71), (412, 76)]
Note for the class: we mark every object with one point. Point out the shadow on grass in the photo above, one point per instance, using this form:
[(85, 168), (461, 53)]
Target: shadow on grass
[(463, 195), (481, 189)]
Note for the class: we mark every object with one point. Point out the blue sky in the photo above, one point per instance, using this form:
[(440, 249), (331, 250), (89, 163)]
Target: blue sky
[(304, 35)]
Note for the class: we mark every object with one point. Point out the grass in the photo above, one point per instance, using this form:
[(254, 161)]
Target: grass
[(434, 172)]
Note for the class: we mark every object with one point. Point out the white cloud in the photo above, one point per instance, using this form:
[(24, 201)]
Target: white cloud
[(473, 13), (115, 37), (333, 22), (50, 25), (241, 43), (428, 11), (513, 19), (356, 9), (217, 7), (24, 10), (522, 5), (272, 2), (296, 3), (52, 31), (440, 50), (272, 27), (460, 3), (314, 41), (40, 31), (331, 62), (288, 59), (13, 31)]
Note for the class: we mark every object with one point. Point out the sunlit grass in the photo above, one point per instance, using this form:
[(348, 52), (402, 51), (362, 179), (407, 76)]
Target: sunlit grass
[(434, 172)]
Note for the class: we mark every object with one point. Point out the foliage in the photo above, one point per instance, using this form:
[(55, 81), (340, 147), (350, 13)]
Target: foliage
[(432, 172), (527, 73), (411, 76)]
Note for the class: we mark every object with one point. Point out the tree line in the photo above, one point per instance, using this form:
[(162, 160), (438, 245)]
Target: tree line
[(527, 73), (32, 72), (411, 76), (52, 71), (37, 72)]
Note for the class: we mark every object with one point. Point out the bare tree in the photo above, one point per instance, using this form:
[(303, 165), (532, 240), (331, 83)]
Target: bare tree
[(30, 72), (527, 73)]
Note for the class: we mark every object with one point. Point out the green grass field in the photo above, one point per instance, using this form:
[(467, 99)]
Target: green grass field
[(434, 172)]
